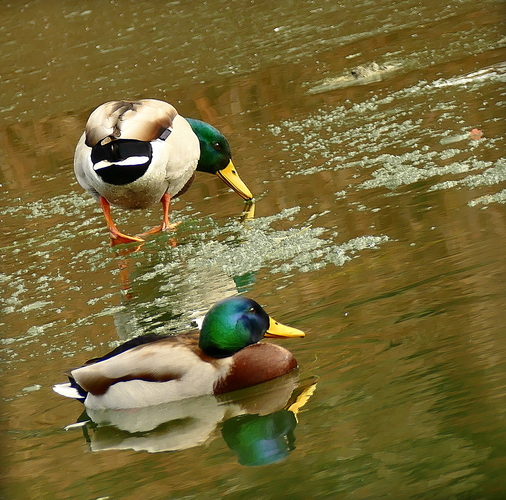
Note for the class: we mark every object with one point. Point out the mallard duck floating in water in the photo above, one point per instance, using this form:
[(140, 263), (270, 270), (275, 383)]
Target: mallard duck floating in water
[(136, 153), (151, 369)]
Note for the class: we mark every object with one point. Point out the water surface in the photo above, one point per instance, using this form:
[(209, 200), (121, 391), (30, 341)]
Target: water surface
[(379, 228)]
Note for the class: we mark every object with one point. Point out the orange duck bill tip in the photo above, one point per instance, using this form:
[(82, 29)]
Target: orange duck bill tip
[(278, 330)]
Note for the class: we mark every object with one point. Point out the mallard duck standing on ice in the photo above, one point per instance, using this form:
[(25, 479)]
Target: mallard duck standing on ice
[(133, 154)]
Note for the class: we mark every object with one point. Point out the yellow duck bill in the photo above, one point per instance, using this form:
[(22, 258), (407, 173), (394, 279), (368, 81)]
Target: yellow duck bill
[(231, 178), (278, 330)]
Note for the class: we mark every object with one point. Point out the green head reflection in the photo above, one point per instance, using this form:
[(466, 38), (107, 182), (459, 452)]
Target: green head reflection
[(261, 440)]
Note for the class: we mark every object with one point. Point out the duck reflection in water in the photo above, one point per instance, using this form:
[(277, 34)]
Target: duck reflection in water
[(257, 423)]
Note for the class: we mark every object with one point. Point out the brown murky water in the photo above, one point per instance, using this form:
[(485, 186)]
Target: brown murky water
[(379, 229)]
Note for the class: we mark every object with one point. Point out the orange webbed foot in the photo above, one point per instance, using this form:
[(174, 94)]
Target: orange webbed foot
[(161, 227), (120, 238)]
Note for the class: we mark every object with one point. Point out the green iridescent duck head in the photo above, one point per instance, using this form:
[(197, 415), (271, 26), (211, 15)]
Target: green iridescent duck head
[(237, 322), (216, 157)]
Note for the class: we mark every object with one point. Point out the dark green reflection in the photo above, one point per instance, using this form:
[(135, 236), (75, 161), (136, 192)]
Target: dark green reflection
[(261, 440)]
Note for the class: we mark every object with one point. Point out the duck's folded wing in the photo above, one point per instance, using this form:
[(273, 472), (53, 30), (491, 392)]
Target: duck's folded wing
[(143, 120), (157, 362)]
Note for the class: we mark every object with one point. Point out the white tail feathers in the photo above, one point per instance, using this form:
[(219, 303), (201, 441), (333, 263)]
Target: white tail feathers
[(67, 390)]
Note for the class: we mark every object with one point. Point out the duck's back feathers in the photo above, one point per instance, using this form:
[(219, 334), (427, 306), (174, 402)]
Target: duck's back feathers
[(130, 344), (143, 120), (147, 359)]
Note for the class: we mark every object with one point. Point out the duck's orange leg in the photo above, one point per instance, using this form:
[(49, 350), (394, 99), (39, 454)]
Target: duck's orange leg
[(165, 225), (116, 236)]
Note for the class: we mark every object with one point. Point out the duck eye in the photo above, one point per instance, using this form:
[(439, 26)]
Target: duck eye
[(217, 146), (251, 310)]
